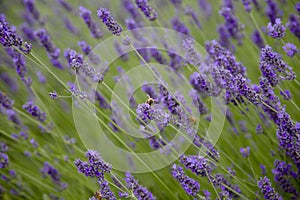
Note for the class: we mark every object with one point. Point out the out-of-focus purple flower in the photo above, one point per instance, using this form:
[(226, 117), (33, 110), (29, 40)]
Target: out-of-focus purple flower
[(5, 101), (189, 11), (54, 174), (69, 25), (247, 5), (35, 111), (41, 77), (179, 26), (263, 169), (86, 15), (245, 152), (9, 81), (257, 39), (4, 161), (85, 47), (198, 102), (297, 7), (294, 25), (232, 24), (30, 7), (206, 195), (191, 186), (27, 31), (197, 164), (225, 38), (131, 8), (286, 94), (109, 21), (34, 143), (272, 10), (102, 101), (277, 29), (139, 191), (120, 51), (149, 12), (95, 167), (67, 6), (265, 187), (290, 49), (52, 51), (259, 129), (157, 55), (205, 7), (9, 37)]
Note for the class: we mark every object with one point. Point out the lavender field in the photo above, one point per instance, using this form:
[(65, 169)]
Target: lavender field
[(149, 99)]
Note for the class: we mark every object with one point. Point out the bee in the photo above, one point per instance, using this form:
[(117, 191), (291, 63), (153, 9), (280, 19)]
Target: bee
[(193, 119), (149, 101), (98, 195)]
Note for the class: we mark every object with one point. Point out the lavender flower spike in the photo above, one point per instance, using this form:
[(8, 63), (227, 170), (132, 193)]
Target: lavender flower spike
[(86, 15), (149, 12), (290, 49), (266, 188), (109, 21), (35, 111), (277, 30), (139, 191), (5, 101)]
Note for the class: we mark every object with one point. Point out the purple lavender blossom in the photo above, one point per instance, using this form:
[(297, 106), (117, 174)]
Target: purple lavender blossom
[(281, 173), (109, 21), (149, 12), (53, 95), (286, 94), (259, 129), (35, 111), (297, 7), (247, 5), (5, 101), (197, 164), (290, 49), (67, 6), (30, 7), (245, 152), (52, 51), (9, 37), (294, 25), (271, 65), (272, 10), (34, 143), (266, 188), (205, 7), (145, 113), (191, 186), (139, 191), (85, 47), (95, 167), (257, 39), (131, 8), (106, 192), (49, 170), (86, 15), (276, 30), (69, 25), (189, 11), (179, 26), (4, 162), (157, 55)]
